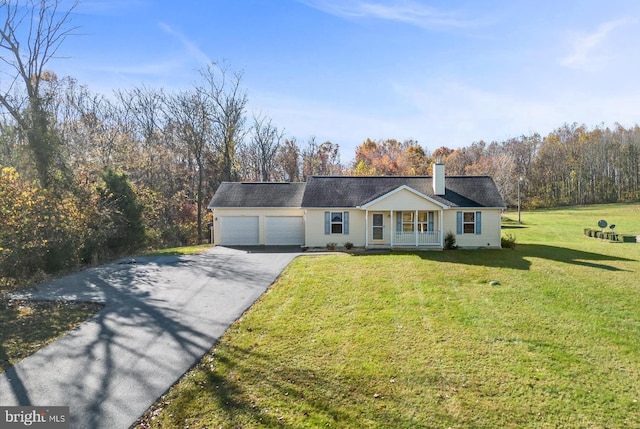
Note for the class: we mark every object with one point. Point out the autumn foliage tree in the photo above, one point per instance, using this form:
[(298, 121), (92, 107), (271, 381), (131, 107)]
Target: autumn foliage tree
[(321, 159), (390, 158), (288, 161), (40, 232)]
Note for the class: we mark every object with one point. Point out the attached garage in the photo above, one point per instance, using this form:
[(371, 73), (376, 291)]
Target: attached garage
[(258, 214), (239, 231), (284, 231)]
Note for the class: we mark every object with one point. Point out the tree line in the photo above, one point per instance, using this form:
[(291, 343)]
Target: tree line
[(572, 165), (85, 177)]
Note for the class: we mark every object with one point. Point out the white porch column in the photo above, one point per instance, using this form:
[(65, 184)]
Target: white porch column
[(415, 227), (392, 228), (366, 228), (441, 226)]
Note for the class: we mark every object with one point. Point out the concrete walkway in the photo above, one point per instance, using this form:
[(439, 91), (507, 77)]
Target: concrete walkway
[(161, 315)]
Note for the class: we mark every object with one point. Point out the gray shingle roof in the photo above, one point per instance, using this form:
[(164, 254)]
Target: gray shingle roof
[(272, 194), (354, 191)]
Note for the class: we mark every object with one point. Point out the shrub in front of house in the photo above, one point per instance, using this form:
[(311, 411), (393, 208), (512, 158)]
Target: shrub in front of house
[(508, 241), (450, 241)]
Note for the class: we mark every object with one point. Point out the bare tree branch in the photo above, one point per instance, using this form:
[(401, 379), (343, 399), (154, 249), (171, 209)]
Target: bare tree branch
[(46, 29), (265, 143), (228, 101)]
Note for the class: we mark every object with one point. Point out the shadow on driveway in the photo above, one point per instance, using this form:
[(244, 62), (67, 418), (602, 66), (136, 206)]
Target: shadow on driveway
[(161, 315)]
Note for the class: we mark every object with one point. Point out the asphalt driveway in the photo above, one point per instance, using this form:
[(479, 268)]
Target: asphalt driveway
[(161, 315)]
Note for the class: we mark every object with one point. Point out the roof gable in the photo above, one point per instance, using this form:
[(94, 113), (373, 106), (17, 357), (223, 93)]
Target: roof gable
[(391, 199)]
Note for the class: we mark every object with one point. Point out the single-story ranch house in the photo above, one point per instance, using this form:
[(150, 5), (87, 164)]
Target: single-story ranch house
[(370, 212)]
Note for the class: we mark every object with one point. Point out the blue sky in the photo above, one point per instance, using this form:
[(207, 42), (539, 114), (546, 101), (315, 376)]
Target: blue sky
[(444, 73)]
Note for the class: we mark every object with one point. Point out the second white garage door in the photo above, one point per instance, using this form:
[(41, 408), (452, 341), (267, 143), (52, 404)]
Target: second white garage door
[(239, 231), (284, 231)]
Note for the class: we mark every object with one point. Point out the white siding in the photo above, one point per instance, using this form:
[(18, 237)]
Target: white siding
[(490, 236), (314, 228)]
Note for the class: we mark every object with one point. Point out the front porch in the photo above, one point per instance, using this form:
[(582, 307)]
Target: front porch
[(404, 229)]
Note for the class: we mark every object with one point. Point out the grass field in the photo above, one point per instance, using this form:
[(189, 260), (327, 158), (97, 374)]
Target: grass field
[(410, 340)]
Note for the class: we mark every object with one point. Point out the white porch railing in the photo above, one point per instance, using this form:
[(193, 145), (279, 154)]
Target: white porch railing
[(430, 238)]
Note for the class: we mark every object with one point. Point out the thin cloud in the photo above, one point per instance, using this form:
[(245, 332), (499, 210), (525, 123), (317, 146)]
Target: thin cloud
[(191, 47), (586, 50), (409, 12)]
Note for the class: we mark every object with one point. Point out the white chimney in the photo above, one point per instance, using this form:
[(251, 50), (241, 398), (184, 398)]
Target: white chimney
[(438, 178)]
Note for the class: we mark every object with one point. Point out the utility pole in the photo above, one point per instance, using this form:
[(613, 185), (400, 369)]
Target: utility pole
[(519, 181)]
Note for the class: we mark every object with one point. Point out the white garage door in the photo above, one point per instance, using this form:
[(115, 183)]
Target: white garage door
[(239, 231), (284, 231)]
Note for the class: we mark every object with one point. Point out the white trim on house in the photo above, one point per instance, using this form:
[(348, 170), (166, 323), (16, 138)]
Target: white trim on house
[(400, 189)]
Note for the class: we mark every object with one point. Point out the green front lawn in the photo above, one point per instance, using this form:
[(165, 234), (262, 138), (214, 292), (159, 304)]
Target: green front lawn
[(424, 340)]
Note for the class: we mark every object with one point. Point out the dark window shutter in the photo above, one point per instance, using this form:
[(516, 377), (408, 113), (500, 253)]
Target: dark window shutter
[(327, 223), (478, 223), (459, 223), (345, 221)]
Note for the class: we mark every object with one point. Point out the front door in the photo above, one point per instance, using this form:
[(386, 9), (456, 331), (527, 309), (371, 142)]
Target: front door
[(378, 226)]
